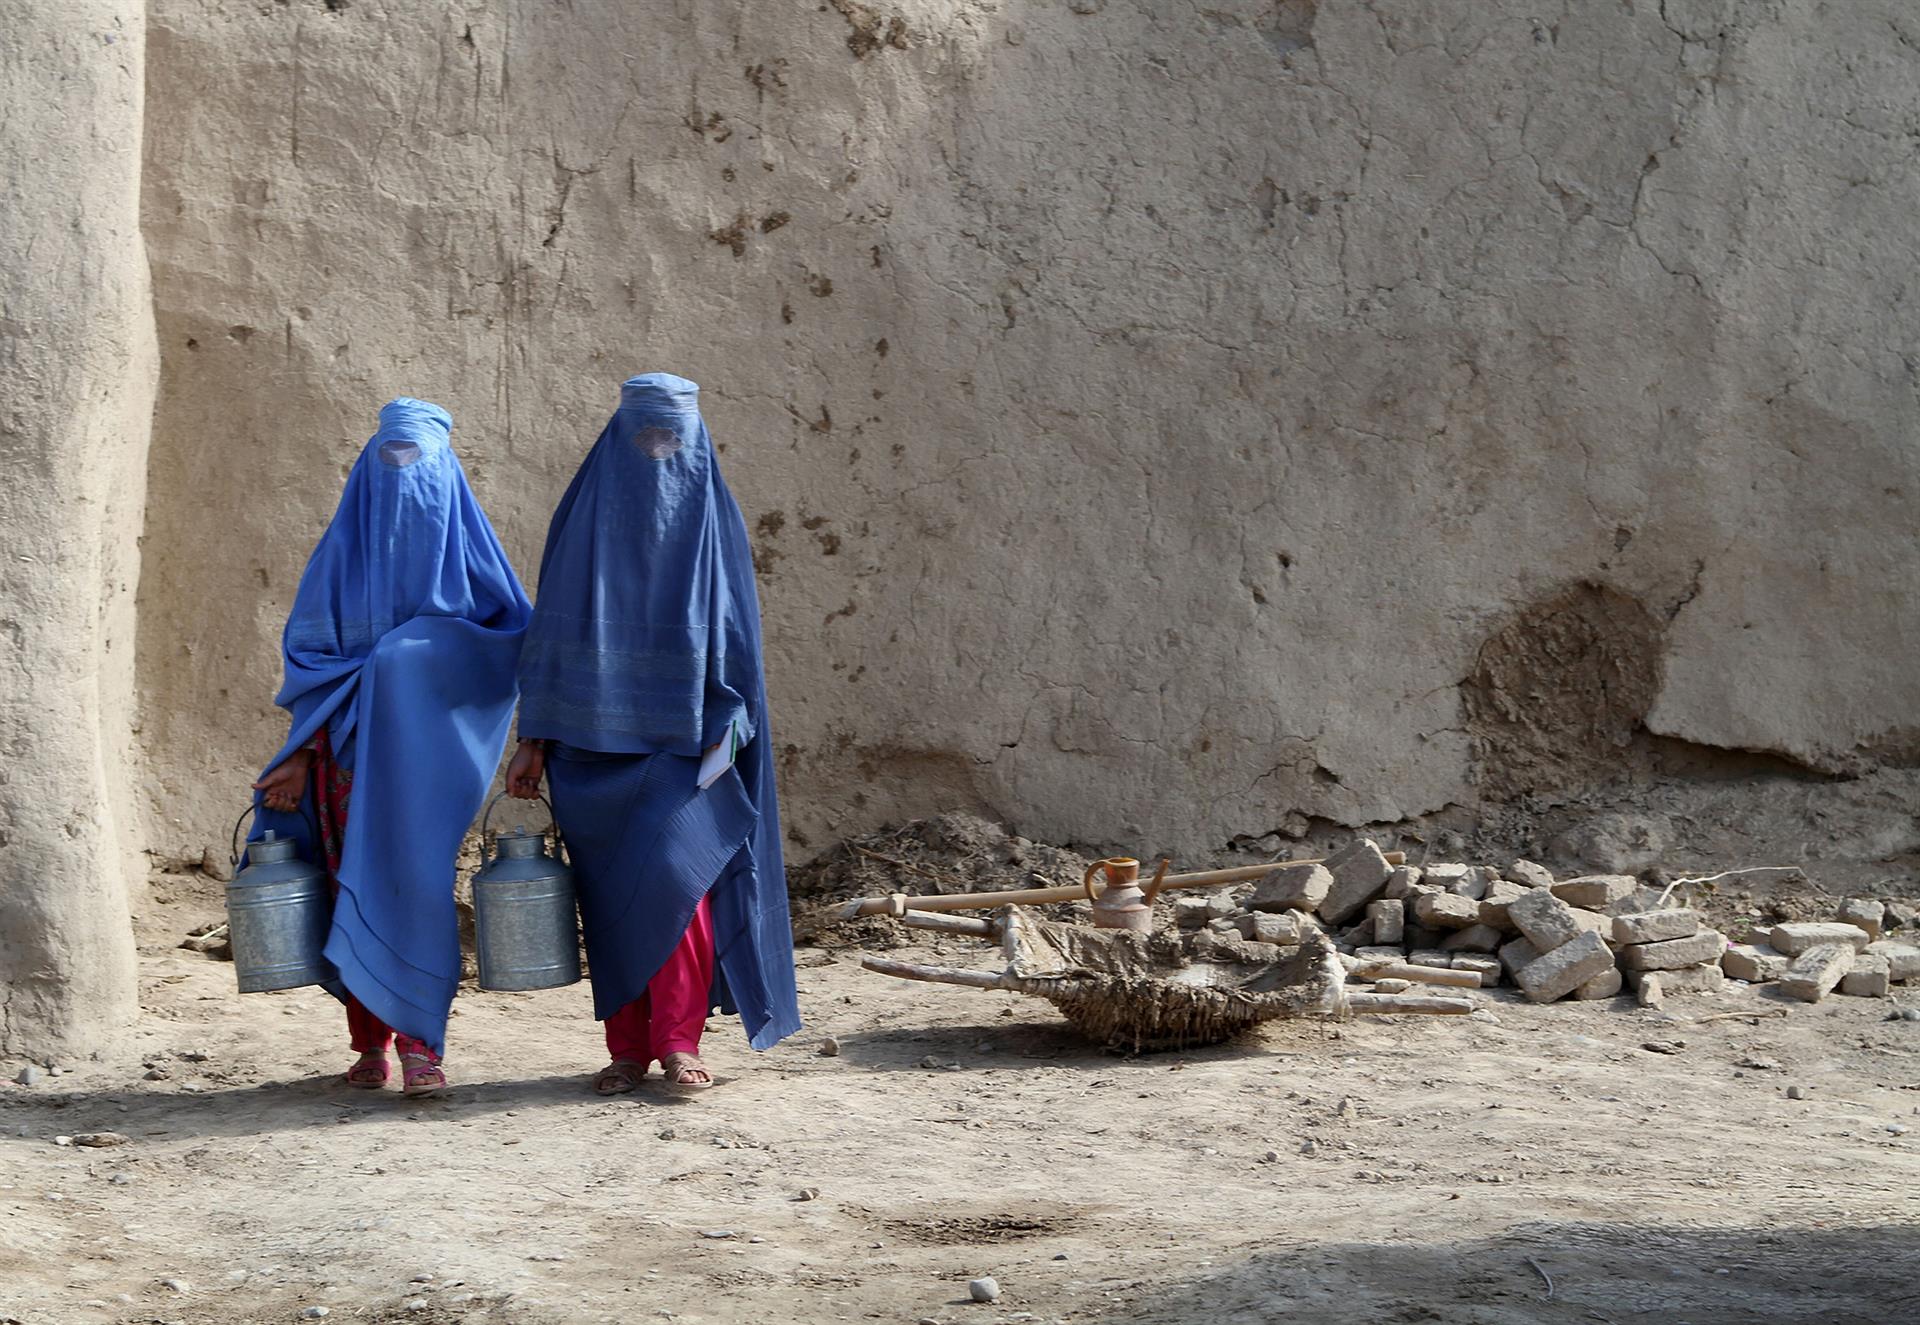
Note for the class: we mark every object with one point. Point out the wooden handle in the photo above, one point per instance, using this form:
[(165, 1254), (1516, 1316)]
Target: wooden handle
[(944, 975), (945, 924)]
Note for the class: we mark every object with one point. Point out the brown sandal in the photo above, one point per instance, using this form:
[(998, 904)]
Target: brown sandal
[(619, 1077), (678, 1069)]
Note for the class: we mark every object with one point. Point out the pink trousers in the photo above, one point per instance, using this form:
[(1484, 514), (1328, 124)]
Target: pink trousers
[(669, 1017)]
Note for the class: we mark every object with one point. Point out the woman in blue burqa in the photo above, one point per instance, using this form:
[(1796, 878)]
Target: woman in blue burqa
[(643, 702), (400, 655)]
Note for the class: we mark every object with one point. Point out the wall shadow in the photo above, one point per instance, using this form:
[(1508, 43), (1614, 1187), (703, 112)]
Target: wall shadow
[(1615, 1274)]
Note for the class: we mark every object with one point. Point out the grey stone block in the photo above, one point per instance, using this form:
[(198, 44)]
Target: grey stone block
[(1501, 893), (1389, 918), (1263, 927), (1487, 968), (1292, 888), (1866, 913), (1655, 926), (1446, 911), (1514, 956), (1684, 980), (1903, 959), (1402, 882), (1360, 875), (1560, 972), (1817, 970), (1604, 985), (1474, 938), (1546, 920), (1869, 977), (1529, 875), (1595, 892), (1430, 957), (1755, 963), (1706, 946), (1794, 939)]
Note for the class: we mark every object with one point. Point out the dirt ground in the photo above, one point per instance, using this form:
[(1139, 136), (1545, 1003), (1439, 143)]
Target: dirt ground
[(1390, 1170)]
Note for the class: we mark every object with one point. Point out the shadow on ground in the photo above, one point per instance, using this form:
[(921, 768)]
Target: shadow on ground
[(1607, 1273)]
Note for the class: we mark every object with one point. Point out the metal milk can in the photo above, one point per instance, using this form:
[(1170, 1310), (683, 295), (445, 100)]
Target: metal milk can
[(279, 909), (526, 934)]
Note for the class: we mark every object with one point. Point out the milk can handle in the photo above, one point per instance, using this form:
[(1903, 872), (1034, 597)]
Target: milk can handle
[(559, 843), (233, 855)]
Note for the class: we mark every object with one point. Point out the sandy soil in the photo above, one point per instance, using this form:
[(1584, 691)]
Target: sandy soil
[(1403, 1170)]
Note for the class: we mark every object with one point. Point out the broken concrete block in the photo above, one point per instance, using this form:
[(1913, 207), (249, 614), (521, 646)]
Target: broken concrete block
[(1446, 911), (1754, 962), (1650, 992), (1360, 874), (1474, 938), (1866, 913), (1684, 980), (1529, 875), (1380, 952), (1470, 885), (1293, 888), (1546, 920), (1501, 893), (1444, 875), (1515, 954), (1641, 899), (1595, 891), (1194, 912), (1706, 946), (1570, 965), (1389, 918), (1487, 968), (1604, 985), (1392, 986), (1401, 882), (1903, 959), (1902, 915), (1593, 920), (1869, 978), (1430, 957), (1655, 926), (1817, 970), (1262, 927), (1794, 939)]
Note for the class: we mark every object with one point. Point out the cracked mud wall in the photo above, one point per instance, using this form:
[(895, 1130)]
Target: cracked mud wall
[(77, 364), (1147, 415)]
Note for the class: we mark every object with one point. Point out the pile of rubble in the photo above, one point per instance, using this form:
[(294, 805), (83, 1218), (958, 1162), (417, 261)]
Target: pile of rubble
[(1587, 938)]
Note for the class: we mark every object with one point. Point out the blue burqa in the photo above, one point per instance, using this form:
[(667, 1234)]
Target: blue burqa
[(403, 640), (644, 650)]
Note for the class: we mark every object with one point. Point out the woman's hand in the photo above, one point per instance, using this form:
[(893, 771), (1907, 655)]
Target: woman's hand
[(523, 774), (284, 784)]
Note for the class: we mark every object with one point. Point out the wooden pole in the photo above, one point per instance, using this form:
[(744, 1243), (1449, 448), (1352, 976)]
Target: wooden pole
[(880, 906)]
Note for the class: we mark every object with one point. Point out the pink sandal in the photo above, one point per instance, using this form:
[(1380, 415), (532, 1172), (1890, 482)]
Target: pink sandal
[(370, 1071), (421, 1076)]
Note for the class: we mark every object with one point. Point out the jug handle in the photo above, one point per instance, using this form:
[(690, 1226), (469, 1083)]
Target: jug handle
[(1086, 880), (559, 843), (233, 855)]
